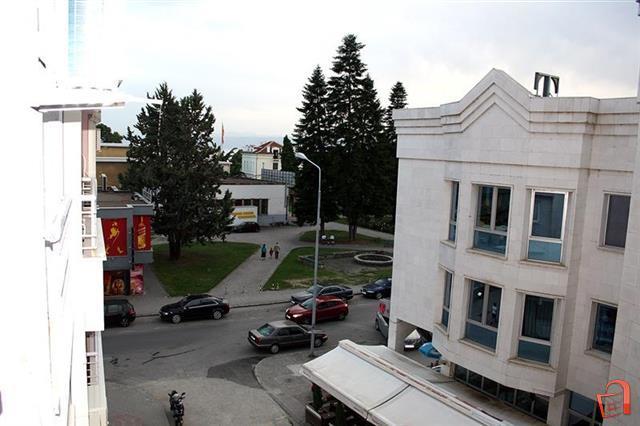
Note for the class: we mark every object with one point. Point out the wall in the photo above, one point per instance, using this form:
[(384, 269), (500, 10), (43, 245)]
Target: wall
[(274, 193)]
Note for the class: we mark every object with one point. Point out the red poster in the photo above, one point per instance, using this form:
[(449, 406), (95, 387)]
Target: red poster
[(142, 231), (137, 279), (115, 283), (115, 236)]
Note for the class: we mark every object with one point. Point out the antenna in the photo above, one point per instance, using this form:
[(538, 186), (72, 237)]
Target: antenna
[(546, 86)]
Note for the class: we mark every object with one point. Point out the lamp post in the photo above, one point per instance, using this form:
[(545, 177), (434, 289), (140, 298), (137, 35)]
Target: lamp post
[(303, 157)]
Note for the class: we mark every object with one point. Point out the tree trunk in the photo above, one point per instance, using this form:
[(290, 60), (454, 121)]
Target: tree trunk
[(175, 249)]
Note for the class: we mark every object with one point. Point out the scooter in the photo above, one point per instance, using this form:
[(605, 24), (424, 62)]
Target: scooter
[(177, 407)]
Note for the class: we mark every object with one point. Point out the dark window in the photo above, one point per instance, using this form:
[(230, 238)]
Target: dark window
[(283, 332), (460, 373), (475, 379), (295, 331), (617, 220), (547, 222), (492, 219), (605, 327), (237, 203), (114, 309), (536, 324), (506, 394), (446, 303), (484, 314), (275, 165), (264, 206), (489, 386), (453, 211), (583, 411)]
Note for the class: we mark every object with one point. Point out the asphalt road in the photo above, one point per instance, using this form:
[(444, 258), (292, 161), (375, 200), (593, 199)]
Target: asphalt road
[(150, 354)]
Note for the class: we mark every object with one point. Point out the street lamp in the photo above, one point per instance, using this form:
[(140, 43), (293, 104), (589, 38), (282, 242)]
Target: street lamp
[(303, 157)]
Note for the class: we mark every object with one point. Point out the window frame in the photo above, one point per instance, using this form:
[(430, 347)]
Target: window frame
[(561, 240), (485, 305), (605, 219), (454, 206), (492, 221), (533, 339), (446, 307), (593, 324)]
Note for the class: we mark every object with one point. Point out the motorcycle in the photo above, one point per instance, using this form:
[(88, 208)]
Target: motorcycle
[(177, 406)]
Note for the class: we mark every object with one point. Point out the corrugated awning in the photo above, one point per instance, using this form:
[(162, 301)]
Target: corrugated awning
[(83, 98), (386, 393)]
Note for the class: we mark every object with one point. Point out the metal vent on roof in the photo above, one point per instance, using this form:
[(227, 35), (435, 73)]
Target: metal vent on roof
[(546, 84)]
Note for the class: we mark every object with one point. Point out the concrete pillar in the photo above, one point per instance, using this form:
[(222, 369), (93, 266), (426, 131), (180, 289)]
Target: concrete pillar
[(398, 330), (557, 408)]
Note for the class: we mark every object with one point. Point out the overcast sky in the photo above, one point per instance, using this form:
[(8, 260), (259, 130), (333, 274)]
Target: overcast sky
[(252, 58)]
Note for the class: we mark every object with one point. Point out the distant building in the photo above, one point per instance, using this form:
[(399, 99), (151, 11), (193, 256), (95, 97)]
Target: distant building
[(111, 161), (264, 156), (517, 245), (266, 199)]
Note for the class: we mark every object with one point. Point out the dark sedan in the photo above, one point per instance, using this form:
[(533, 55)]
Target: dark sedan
[(193, 307), (379, 288), (244, 227), (340, 291), (277, 334), (118, 312)]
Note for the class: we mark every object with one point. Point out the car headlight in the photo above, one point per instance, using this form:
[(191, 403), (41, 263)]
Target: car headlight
[(297, 315)]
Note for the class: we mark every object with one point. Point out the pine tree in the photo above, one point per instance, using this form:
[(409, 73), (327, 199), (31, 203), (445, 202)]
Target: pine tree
[(107, 135), (288, 158), (313, 138), (236, 163), (173, 154), (397, 100), (356, 121)]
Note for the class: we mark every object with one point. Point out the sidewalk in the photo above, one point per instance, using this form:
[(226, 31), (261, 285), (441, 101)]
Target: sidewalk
[(364, 231)]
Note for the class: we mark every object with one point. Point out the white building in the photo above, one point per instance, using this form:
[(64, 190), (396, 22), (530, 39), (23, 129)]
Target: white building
[(512, 245), (270, 199), (51, 370), (264, 156)]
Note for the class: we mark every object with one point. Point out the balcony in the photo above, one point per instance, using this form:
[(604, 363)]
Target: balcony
[(89, 216)]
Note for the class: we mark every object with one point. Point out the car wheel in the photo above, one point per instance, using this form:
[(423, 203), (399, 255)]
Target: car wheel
[(217, 315), (274, 349), (317, 343), (176, 319), (124, 322), (342, 316), (378, 296)]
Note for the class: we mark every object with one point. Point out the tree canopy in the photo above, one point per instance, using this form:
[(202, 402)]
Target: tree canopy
[(288, 158), (107, 135)]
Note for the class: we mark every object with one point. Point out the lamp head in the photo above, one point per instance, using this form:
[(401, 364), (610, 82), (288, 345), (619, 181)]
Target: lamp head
[(301, 156)]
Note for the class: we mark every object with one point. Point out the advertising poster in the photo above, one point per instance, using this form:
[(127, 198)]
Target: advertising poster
[(137, 280), (115, 283), (142, 231), (115, 236)]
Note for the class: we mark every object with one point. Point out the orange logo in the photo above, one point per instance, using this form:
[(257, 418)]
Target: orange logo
[(612, 403)]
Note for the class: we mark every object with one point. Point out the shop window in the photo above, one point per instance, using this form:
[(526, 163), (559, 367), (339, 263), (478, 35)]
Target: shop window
[(483, 314), (453, 211), (616, 220), (535, 337), (604, 327), (492, 219), (546, 227)]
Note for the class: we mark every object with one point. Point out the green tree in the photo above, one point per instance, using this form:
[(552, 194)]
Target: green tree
[(356, 122), (236, 163), (173, 154), (312, 137), (288, 157), (397, 100), (108, 136)]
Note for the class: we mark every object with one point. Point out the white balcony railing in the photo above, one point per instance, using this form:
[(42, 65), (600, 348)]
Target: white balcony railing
[(89, 216)]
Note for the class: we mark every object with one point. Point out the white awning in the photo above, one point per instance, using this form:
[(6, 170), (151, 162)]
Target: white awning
[(82, 98), (389, 393)]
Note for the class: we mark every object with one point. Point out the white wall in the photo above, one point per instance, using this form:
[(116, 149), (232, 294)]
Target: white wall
[(274, 193)]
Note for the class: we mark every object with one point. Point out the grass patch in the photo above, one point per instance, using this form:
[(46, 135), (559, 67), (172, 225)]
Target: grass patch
[(342, 237), (294, 274), (201, 267)]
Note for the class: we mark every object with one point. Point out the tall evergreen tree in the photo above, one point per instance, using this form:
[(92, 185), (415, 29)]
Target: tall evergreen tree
[(397, 100), (236, 163), (356, 121), (173, 154), (288, 158), (312, 137), (107, 135)]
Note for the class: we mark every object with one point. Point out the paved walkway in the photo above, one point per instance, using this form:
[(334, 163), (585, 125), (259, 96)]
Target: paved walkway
[(242, 287)]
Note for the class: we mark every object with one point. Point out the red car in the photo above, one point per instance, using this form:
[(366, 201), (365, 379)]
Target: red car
[(327, 307)]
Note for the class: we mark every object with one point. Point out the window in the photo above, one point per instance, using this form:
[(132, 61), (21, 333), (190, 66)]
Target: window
[(530, 403), (582, 411), (616, 220), (92, 358), (296, 331), (484, 314), (492, 219), (283, 332), (446, 303), (453, 211), (264, 206), (546, 230), (535, 337), (275, 166), (604, 327)]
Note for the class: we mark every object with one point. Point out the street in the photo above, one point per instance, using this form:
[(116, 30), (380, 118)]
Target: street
[(210, 360)]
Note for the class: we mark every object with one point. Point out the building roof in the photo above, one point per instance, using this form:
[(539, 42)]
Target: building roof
[(236, 180), (262, 148), (121, 199)]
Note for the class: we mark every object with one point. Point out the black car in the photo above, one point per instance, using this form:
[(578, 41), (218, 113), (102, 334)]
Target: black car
[(341, 291), (118, 312), (277, 334), (244, 227), (194, 306), (379, 288)]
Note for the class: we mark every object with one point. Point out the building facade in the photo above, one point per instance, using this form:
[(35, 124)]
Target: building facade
[(267, 199), (111, 162), (514, 247), (263, 157)]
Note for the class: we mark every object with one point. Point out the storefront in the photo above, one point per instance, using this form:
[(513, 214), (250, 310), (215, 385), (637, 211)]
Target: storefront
[(126, 226)]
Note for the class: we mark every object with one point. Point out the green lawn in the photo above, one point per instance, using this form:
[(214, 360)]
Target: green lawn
[(201, 267), (292, 273), (342, 237)]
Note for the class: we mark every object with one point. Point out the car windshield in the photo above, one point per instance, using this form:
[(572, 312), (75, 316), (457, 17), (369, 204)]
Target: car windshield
[(266, 330), (307, 304), (310, 289), (381, 281)]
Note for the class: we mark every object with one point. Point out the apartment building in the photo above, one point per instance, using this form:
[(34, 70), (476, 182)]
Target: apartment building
[(111, 163), (517, 244), (265, 156)]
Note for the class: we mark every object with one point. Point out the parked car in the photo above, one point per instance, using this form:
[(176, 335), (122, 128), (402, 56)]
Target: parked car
[(118, 312), (195, 306), (341, 291), (327, 307), (276, 334), (382, 317), (379, 288), (244, 227)]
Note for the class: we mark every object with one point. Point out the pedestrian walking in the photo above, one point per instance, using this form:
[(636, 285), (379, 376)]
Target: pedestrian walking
[(276, 250), (270, 252), (263, 252)]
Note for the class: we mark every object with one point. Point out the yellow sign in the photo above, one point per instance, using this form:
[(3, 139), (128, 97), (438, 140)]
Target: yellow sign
[(244, 214)]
